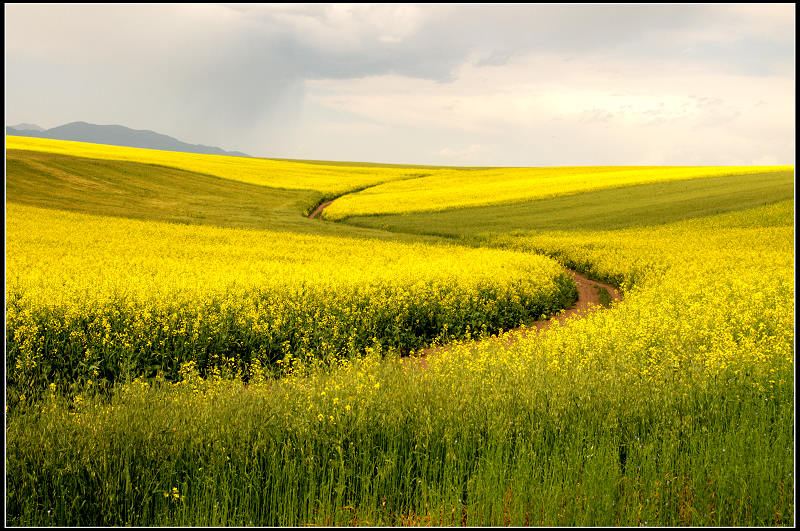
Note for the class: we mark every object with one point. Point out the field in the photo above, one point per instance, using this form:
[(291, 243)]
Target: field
[(292, 175), (184, 347), (614, 208), (458, 189)]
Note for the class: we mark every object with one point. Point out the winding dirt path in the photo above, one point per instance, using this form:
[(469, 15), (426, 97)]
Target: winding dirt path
[(317, 211), (588, 301)]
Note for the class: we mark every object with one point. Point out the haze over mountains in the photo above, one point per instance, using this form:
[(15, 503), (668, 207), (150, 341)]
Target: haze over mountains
[(116, 135)]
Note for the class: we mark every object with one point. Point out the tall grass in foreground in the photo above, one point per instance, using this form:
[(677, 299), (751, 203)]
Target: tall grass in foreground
[(674, 407), (405, 451)]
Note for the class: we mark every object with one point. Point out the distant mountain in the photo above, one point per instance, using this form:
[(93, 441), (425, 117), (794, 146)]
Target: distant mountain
[(27, 127), (117, 135)]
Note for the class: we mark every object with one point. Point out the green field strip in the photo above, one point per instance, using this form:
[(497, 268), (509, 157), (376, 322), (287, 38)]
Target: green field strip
[(450, 190), (143, 191), (630, 206)]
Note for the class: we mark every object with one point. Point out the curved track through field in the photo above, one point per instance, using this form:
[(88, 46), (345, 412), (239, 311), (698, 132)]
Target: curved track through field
[(588, 300), (317, 213)]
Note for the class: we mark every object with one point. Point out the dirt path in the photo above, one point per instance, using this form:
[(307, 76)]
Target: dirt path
[(588, 301), (319, 209)]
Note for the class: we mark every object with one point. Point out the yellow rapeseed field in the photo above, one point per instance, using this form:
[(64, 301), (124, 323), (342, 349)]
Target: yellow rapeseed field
[(673, 407), (705, 299), (709, 305), (330, 180), (92, 293), (455, 189)]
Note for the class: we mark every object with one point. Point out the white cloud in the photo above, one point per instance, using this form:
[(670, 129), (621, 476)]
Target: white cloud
[(458, 154), (662, 115)]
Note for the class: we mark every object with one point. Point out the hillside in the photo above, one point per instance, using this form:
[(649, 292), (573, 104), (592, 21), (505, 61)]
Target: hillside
[(157, 192)]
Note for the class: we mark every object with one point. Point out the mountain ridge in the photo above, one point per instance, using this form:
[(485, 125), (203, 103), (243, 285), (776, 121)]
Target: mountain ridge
[(119, 135), (27, 127)]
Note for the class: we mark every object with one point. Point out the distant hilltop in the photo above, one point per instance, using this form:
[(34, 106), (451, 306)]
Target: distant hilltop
[(116, 135), (26, 127)]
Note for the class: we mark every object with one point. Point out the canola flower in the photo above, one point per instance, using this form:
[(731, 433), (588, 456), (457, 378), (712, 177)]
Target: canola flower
[(457, 189), (89, 294), (705, 299)]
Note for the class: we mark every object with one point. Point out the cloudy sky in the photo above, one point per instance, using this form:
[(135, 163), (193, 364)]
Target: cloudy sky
[(516, 84)]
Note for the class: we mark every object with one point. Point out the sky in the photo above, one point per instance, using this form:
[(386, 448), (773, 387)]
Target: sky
[(472, 84)]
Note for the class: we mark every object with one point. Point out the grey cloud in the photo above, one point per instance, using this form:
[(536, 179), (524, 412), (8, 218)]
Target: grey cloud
[(446, 35), (440, 40), (496, 58), (230, 75)]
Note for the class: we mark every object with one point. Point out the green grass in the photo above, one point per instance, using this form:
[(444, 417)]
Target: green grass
[(238, 456), (641, 205), (603, 296)]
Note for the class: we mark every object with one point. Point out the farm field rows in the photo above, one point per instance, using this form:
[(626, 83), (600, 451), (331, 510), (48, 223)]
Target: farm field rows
[(291, 175), (672, 407)]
